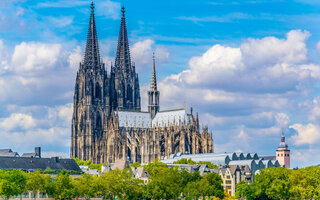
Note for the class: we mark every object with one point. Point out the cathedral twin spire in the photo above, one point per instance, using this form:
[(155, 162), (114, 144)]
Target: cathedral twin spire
[(124, 88), (92, 56), (123, 59)]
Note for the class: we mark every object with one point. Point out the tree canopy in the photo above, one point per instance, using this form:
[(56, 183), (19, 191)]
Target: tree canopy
[(282, 183), (191, 162), (12, 183), (171, 183)]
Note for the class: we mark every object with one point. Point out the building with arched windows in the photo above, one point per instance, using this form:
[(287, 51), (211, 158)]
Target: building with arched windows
[(108, 123), (283, 153)]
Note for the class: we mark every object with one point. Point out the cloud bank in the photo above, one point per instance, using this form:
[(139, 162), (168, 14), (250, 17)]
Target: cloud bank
[(248, 93), (252, 92)]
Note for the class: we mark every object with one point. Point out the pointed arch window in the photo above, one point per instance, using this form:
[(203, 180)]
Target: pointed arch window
[(98, 120), (97, 91)]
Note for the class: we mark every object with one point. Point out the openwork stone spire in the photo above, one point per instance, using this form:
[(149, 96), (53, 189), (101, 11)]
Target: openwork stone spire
[(153, 76), (153, 93), (123, 60), (92, 57)]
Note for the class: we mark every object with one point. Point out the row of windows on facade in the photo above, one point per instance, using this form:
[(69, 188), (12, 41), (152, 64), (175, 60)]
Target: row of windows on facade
[(286, 155), (33, 195)]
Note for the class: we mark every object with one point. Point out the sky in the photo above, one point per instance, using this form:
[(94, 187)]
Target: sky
[(250, 68)]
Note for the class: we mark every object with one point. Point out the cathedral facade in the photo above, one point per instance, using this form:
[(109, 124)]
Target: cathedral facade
[(108, 123)]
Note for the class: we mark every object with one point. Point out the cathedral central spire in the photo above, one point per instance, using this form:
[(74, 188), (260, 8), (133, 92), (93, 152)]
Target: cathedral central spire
[(153, 93), (92, 57), (123, 60), (153, 76)]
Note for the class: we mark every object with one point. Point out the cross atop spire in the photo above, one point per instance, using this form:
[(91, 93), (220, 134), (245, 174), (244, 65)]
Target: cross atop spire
[(92, 56), (123, 60), (153, 75)]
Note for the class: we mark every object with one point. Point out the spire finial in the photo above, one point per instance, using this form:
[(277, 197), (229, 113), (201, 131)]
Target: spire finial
[(283, 140), (282, 136), (123, 11), (92, 5), (184, 104)]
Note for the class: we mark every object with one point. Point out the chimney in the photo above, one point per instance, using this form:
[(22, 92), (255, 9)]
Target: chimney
[(55, 159), (37, 150)]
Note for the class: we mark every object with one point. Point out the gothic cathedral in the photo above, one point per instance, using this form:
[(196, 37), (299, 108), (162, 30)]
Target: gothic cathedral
[(108, 123)]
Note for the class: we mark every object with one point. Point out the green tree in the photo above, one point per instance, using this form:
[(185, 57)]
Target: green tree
[(113, 185), (64, 187), (215, 187), (120, 184), (35, 182), (85, 186), (185, 161), (48, 170), (135, 164), (12, 183), (89, 164), (209, 185), (191, 162), (48, 186), (133, 187), (165, 183), (187, 177), (272, 183), (209, 164), (305, 183), (192, 190), (244, 191), (153, 168)]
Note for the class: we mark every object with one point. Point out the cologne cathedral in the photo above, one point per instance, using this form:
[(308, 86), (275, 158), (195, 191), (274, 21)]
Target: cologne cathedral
[(108, 123)]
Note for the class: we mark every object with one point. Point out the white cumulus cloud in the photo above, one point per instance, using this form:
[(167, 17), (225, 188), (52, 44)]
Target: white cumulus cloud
[(282, 120), (275, 77), (142, 52), (271, 50), (18, 120), (4, 58), (109, 9), (32, 57), (306, 134), (218, 61), (75, 58)]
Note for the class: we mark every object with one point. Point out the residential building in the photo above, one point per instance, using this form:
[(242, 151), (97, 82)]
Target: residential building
[(8, 153), (141, 173), (32, 161), (87, 170)]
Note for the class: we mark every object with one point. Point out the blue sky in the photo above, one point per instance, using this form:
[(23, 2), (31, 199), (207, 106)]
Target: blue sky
[(250, 68)]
